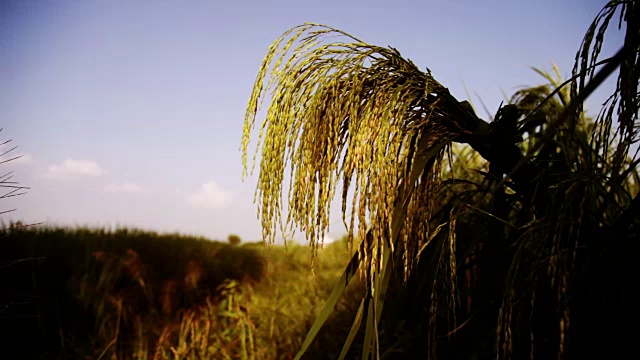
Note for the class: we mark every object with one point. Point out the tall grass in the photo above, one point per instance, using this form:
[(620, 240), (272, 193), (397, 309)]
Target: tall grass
[(132, 294)]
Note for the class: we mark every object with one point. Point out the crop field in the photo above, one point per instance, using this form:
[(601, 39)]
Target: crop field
[(129, 294)]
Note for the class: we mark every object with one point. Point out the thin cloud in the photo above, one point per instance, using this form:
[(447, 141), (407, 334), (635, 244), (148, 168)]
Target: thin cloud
[(125, 187), (210, 196), (71, 167), (328, 239)]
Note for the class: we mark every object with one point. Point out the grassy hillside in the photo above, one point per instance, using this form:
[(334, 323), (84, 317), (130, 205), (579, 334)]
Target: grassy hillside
[(71, 293)]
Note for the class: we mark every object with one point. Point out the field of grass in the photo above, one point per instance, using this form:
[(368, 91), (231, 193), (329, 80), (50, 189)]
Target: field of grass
[(81, 293)]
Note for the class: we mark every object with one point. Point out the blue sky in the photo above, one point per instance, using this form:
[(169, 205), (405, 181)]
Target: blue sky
[(131, 112)]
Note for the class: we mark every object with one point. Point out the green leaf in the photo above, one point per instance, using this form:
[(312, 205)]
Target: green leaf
[(353, 332), (342, 284), (374, 310), (370, 327)]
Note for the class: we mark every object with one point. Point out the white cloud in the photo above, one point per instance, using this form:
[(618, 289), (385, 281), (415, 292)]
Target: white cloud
[(74, 167), (125, 187), (210, 196)]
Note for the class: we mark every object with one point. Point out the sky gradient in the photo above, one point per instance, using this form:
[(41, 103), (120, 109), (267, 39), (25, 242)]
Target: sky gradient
[(131, 112)]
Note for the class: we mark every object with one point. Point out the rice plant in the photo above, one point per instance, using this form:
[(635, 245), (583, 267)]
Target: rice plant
[(552, 208)]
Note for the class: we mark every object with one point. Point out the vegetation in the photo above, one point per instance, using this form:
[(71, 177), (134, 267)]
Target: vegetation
[(234, 239), (10, 187), (132, 294), (508, 239)]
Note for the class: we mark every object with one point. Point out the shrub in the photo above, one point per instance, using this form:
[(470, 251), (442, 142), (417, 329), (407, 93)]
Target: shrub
[(234, 239)]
